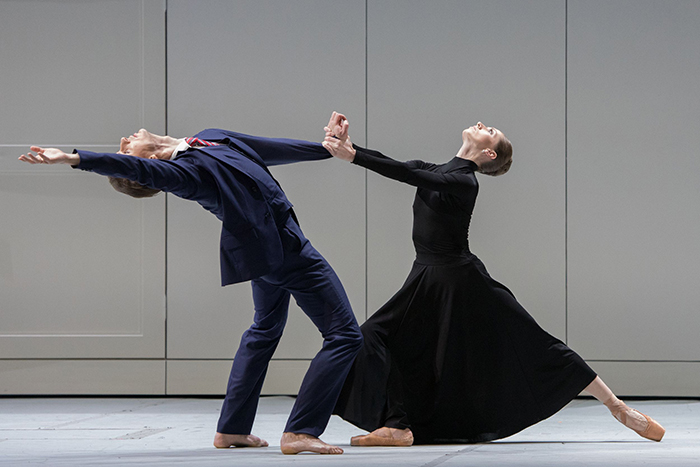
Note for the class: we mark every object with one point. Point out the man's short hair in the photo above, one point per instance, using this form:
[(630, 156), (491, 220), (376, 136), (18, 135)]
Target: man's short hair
[(132, 188)]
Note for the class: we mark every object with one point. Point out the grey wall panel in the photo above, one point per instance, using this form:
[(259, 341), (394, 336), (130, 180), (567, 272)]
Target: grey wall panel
[(197, 377), (269, 68), (647, 378), (81, 267), (55, 206), (633, 172), (81, 72), (435, 68), (73, 377)]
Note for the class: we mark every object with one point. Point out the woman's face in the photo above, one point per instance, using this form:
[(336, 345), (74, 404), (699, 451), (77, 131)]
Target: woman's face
[(482, 136)]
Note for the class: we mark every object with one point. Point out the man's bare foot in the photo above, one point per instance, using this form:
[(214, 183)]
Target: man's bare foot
[(384, 436), (294, 443), (222, 440)]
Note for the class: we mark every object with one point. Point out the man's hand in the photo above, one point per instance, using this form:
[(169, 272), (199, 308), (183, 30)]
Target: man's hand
[(337, 141), (49, 156)]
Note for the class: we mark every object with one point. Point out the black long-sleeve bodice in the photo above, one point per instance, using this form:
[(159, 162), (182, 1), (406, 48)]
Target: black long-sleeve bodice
[(443, 204)]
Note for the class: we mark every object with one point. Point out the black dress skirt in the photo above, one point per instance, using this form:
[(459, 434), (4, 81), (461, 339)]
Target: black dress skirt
[(452, 354)]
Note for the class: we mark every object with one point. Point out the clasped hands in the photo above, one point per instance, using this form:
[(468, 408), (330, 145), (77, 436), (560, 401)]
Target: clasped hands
[(337, 141)]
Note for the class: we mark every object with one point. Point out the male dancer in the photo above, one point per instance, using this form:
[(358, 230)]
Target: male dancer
[(226, 173)]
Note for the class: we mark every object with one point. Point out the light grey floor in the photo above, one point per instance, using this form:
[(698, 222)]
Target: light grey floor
[(179, 432)]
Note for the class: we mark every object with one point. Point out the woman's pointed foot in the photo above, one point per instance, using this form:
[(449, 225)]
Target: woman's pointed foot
[(223, 440), (638, 422), (384, 436)]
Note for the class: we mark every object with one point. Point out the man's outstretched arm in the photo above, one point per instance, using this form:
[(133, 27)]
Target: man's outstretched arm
[(179, 179), (273, 151)]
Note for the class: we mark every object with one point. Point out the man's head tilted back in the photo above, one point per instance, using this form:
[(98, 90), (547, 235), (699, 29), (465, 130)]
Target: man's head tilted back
[(145, 145)]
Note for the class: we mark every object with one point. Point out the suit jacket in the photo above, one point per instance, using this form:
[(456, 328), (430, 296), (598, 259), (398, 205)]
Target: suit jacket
[(232, 182)]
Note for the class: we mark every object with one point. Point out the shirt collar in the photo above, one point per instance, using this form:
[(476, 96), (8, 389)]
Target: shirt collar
[(181, 147)]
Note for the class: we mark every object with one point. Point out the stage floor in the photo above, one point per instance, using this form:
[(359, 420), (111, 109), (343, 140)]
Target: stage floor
[(179, 432)]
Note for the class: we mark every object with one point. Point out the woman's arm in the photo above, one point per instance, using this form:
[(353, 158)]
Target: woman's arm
[(371, 152), (414, 172)]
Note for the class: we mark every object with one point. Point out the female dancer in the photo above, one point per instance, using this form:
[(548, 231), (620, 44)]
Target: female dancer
[(452, 357)]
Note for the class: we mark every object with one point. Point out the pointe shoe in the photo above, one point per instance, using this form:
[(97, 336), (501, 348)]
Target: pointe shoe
[(375, 439), (654, 431)]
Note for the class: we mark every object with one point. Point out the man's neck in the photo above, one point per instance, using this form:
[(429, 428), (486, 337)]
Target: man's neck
[(167, 145)]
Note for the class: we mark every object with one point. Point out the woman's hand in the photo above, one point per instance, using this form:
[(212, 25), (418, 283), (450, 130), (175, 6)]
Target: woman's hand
[(343, 150), (49, 156), (337, 141)]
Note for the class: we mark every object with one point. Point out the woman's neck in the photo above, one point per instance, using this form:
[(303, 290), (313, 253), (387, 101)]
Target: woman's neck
[(470, 153)]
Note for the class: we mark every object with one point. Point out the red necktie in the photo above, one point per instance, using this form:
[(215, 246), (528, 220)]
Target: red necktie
[(196, 142)]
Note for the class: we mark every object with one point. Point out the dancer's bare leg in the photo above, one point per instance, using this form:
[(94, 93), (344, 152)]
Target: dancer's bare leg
[(644, 426), (384, 436), (223, 440), (294, 443)]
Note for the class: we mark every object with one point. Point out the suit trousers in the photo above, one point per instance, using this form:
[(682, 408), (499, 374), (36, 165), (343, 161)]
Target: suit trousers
[(308, 277)]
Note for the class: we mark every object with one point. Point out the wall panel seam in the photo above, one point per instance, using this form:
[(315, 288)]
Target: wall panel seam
[(566, 171), (165, 233), (366, 175)]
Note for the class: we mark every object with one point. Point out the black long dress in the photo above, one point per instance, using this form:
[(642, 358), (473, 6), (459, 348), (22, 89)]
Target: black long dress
[(452, 354)]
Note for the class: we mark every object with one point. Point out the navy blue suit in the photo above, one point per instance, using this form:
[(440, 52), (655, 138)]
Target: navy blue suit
[(261, 241)]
